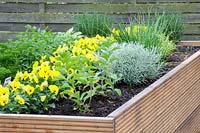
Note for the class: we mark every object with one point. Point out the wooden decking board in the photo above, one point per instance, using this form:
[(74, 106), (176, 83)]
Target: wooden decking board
[(191, 124)]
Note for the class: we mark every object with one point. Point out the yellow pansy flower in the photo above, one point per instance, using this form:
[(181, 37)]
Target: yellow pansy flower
[(14, 85), (85, 64), (42, 98), (35, 65), (71, 91), (128, 30), (20, 100), (29, 89), (71, 71), (18, 76), (42, 59), (91, 57), (116, 32), (4, 91), (60, 49), (54, 89), (44, 84), (44, 72), (54, 73), (25, 75), (112, 39), (33, 78), (4, 100), (53, 59)]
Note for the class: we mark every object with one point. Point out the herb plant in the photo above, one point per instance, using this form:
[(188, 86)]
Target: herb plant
[(171, 23), (135, 63), (93, 24)]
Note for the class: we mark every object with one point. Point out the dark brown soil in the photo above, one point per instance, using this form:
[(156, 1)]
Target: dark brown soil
[(103, 106)]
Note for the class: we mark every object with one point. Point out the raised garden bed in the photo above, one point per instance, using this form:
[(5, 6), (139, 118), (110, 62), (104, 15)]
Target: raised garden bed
[(171, 104)]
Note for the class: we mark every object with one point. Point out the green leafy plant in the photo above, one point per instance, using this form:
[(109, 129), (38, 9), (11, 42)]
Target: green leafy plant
[(135, 63), (171, 23), (150, 36), (21, 53), (76, 72), (93, 24), (88, 72), (166, 46), (31, 92)]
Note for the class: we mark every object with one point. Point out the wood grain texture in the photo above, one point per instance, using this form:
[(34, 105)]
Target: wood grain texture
[(166, 1), (191, 124), (190, 43), (43, 123), (68, 1)]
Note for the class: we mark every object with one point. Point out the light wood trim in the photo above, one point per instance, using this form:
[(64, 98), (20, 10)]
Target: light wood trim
[(189, 43)]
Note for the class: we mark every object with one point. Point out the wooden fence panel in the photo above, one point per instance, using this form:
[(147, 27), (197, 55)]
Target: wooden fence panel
[(59, 14)]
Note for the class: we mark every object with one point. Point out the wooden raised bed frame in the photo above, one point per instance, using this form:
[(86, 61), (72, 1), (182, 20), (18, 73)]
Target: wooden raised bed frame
[(171, 104)]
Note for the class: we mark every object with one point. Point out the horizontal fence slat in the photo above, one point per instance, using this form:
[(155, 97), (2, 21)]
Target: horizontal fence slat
[(192, 29), (68, 1), (48, 18), (4, 36), (69, 18), (18, 7), (166, 1), (102, 7), (190, 37), (123, 8), (20, 27)]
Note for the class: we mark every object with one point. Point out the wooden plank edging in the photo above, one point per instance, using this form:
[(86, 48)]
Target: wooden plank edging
[(189, 43)]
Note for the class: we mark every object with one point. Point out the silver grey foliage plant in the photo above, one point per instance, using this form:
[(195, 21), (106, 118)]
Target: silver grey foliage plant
[(135, 63)]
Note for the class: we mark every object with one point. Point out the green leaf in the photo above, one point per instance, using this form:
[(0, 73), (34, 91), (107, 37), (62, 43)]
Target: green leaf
[(60, 77), (119, 92), (52, 105)]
